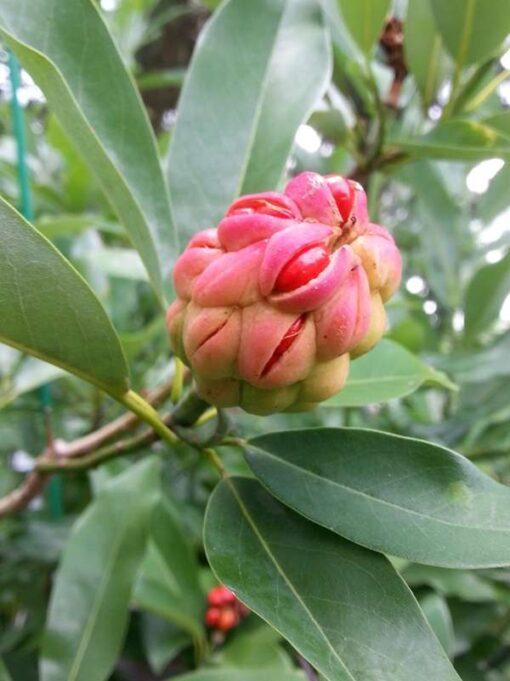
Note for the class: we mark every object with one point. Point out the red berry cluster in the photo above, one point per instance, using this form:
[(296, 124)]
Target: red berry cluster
[(225, 611)]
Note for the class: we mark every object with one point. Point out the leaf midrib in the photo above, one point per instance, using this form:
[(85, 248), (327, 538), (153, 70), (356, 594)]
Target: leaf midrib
[(96, 606), (284, 576)]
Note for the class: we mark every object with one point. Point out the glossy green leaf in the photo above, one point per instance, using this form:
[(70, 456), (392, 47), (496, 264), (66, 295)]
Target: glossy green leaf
[(385, 373), (168, 583), (435, 609), (472, 29), (89, 605), (240, 675), (68, 50), (485, 295), (257, 72), (423, 49), (459, 139), (365, 20), (393, 494), (49, 311), (342, 607)]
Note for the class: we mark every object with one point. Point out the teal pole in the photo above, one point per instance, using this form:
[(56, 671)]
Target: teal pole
[(27, 209)]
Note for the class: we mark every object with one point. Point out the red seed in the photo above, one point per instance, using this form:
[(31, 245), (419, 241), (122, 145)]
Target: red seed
[(250, 205), (303, 267), (212, 617), (220, 595), (228, 619), (343, 192), (285, 343)]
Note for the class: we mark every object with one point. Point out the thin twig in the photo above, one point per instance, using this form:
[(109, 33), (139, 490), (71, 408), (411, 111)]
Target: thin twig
[(20, 497), (60, 451), (124, 423)]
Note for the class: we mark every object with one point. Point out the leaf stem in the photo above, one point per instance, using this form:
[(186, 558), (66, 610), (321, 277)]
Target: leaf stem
[(215, 460), (135, 403), (178, 381)]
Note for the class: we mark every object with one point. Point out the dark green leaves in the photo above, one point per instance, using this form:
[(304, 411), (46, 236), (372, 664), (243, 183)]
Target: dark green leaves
[(472, 29), (241, 675), (387, 372), (365, 19), (343, 607), (424, 48), (168, 582), (48, 310), (66, 47), (89, 604), (255, 76), (463, 140), (442, 225), (485, 295), (396, 495)]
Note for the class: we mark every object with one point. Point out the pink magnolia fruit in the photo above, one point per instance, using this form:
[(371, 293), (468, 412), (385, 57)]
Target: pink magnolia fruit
[(274, 302)]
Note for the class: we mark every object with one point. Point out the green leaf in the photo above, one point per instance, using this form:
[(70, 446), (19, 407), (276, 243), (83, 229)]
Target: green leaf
[(385, 373), (89, 605), (500, 122), (55, 226), (435, 609), (68, 50), (240, 675), (30, 375), (49, 311), (393, 494), (472, 29), (257, 72), (464, 585), (255, 646), (495, 199), (442, 226), (423, 49), (365, 20), (344, 608), (459, 139), (168, 584), (479, 365), (4, 673), (123, 263), (485, 295), (162, 641)]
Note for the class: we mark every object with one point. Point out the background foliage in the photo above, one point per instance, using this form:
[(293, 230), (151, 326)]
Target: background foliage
[(104, 575)]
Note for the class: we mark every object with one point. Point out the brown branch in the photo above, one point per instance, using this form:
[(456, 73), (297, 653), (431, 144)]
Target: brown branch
[(59, 451), (125, 423), (19, 498), (120, 448)]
